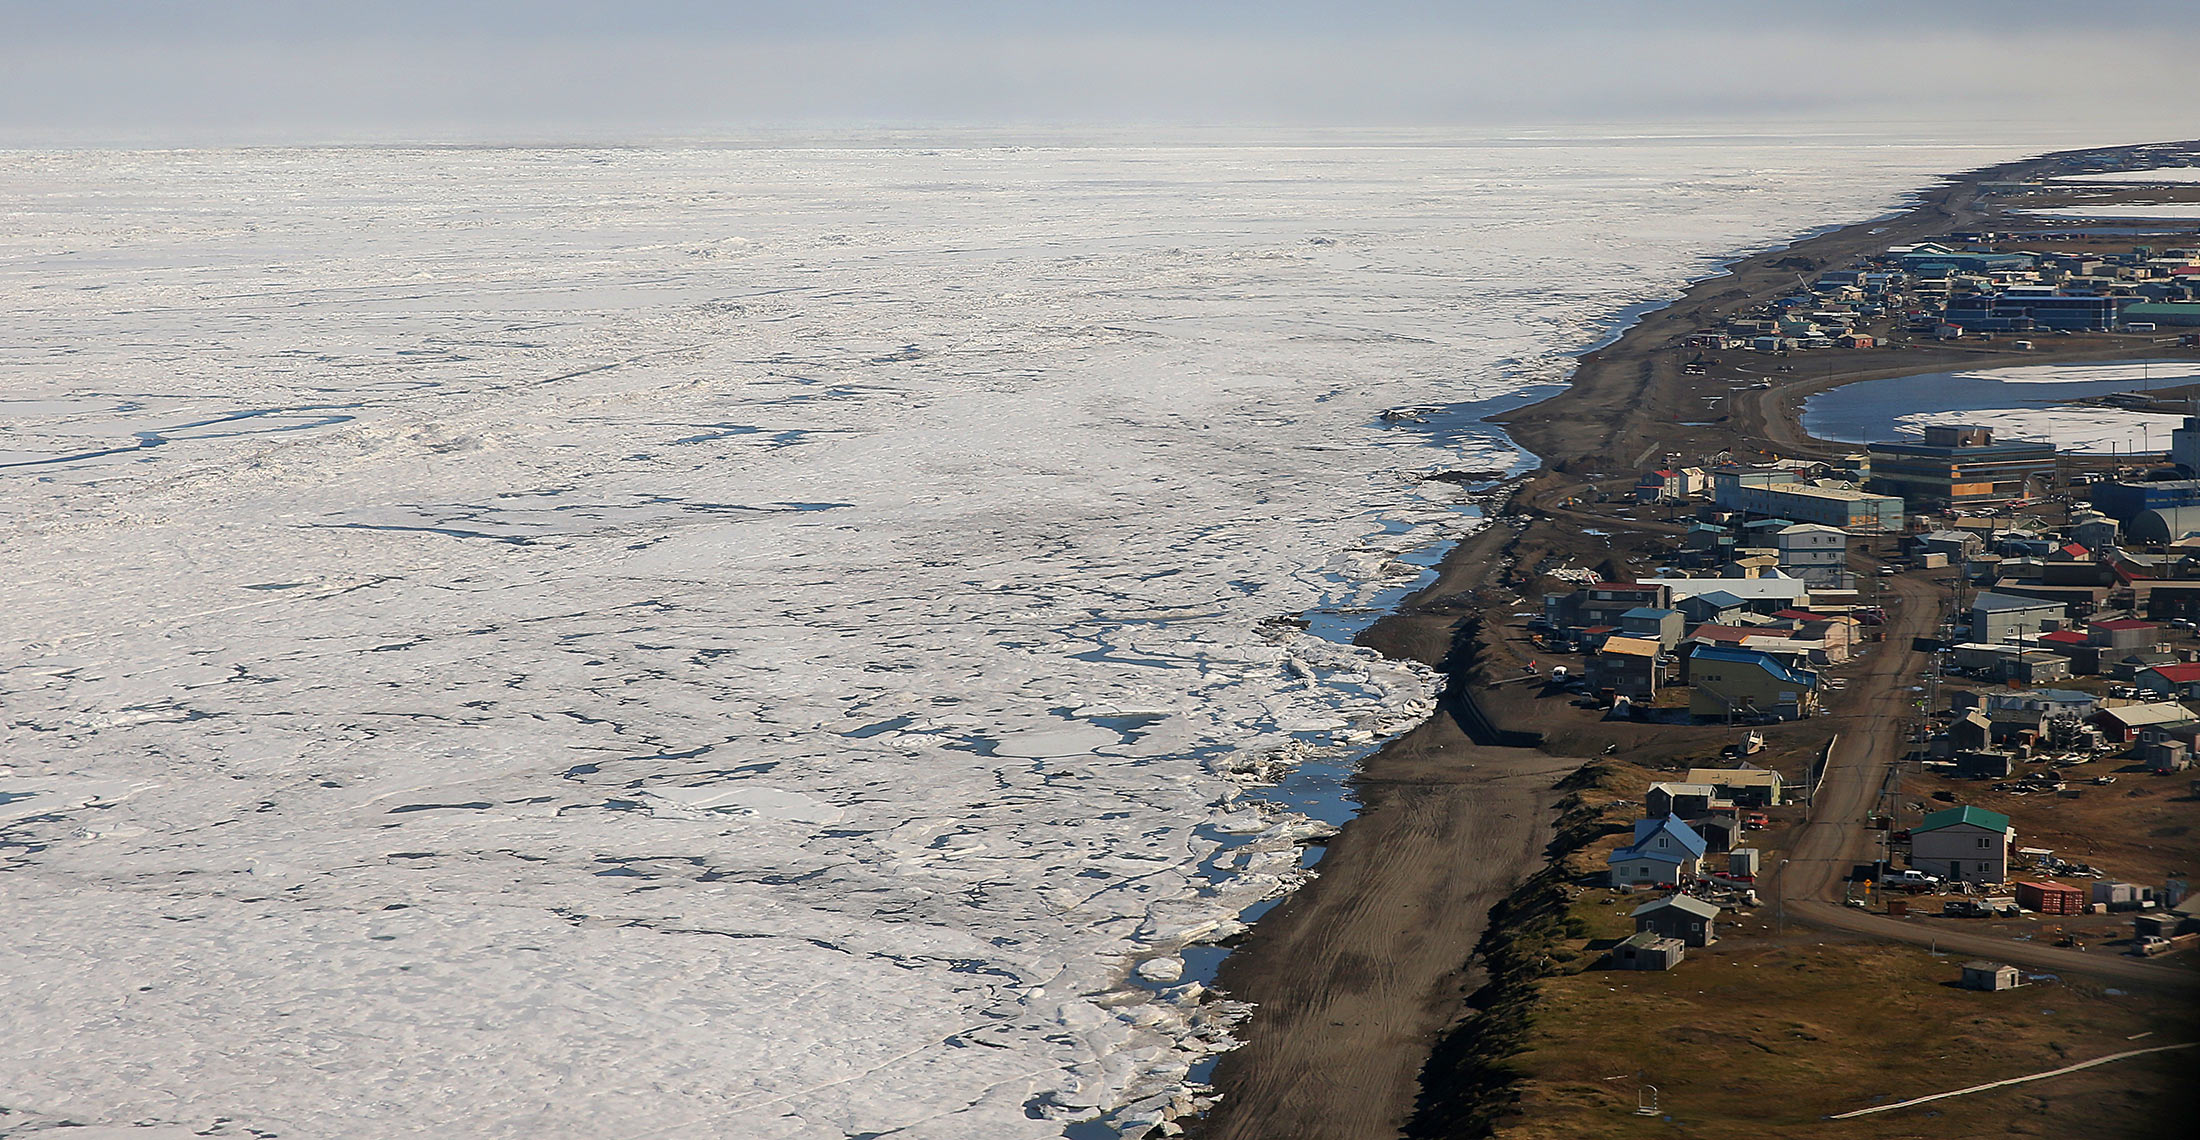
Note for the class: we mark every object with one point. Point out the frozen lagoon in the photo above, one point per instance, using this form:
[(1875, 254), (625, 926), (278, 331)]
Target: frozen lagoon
[(734, 641), (2019, 402)]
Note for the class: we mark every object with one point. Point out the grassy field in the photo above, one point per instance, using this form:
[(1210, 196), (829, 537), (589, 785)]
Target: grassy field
[(1771, 1031), (1765, 1035)]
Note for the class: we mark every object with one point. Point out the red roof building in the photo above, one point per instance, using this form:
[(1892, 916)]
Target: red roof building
[(1729, 634)]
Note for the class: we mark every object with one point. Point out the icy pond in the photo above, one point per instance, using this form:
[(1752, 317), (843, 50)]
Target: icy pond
[(2019, 402)]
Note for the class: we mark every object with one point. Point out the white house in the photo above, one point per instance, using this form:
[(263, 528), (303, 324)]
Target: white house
[(1965, 844), (1664, 851)]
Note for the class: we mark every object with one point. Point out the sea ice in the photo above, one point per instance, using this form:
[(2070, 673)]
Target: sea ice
[(734, 641)]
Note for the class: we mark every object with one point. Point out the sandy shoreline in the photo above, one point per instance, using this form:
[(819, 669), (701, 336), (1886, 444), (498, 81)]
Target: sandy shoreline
[(1357, 975)]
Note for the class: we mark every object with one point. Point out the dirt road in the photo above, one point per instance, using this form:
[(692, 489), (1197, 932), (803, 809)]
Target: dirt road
[(1808, 883)]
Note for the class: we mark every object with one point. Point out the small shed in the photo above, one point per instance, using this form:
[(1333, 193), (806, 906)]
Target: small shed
[(1989, 976), (1685, 917), (1744, 861), (1647, 951), (2050, 897)]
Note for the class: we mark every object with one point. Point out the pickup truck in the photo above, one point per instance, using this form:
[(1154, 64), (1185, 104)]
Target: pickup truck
[(1914, 881)]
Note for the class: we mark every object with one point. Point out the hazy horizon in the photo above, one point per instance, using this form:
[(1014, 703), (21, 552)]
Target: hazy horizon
[(136, 72)]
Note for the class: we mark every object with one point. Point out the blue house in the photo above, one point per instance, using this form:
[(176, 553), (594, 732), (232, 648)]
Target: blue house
[(1717, 607), (1664, 851)]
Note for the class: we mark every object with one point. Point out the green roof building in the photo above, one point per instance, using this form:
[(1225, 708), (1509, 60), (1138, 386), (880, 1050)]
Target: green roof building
[(1964, 844), (2162, 313)]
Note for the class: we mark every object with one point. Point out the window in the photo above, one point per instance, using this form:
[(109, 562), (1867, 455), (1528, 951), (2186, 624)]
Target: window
[(1982, 841)]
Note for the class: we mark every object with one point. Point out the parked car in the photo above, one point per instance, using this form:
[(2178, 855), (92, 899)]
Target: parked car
[(1912, 880)]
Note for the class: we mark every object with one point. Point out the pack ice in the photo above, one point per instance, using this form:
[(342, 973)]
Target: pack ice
[(732, 641)]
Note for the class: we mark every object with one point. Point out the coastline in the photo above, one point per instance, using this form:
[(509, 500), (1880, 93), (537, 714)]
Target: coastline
[(1365, 981)]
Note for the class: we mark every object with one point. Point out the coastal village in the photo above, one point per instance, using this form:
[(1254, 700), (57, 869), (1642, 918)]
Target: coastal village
[(1891, 787), (2071, 584), (2043, 785)]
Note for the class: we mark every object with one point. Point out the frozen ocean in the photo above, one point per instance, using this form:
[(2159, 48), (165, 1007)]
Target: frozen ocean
[(763, 641)]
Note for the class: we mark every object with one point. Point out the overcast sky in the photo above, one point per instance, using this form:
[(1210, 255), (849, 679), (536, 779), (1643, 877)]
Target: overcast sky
[(506, 70)]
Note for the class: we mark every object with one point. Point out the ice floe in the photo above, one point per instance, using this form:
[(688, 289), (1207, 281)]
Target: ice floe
[(735, 641)]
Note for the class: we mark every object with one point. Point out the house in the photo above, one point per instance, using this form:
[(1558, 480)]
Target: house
[(1664, 851), (1956, 544), (1650, 624), (2038, 667), (1746, 787), (1720, 831), (2094, 529), (2178, 681), (1647, 951), (1816, 553), (1995, 617), (1685, 917), (1684, 800), (1762, 595), (1715, 608), (1970, 731), (1629, 667), (2030, 712), (1671, 485), (1835, 636), (2050, 897), (1747, 684), (1963, 844), (1984, 764), (2128, 634), (2129, 666), (2084, 656), (2168, 746), (1989, 976), (1602, 603), (2039, 704), (2121, 724)]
